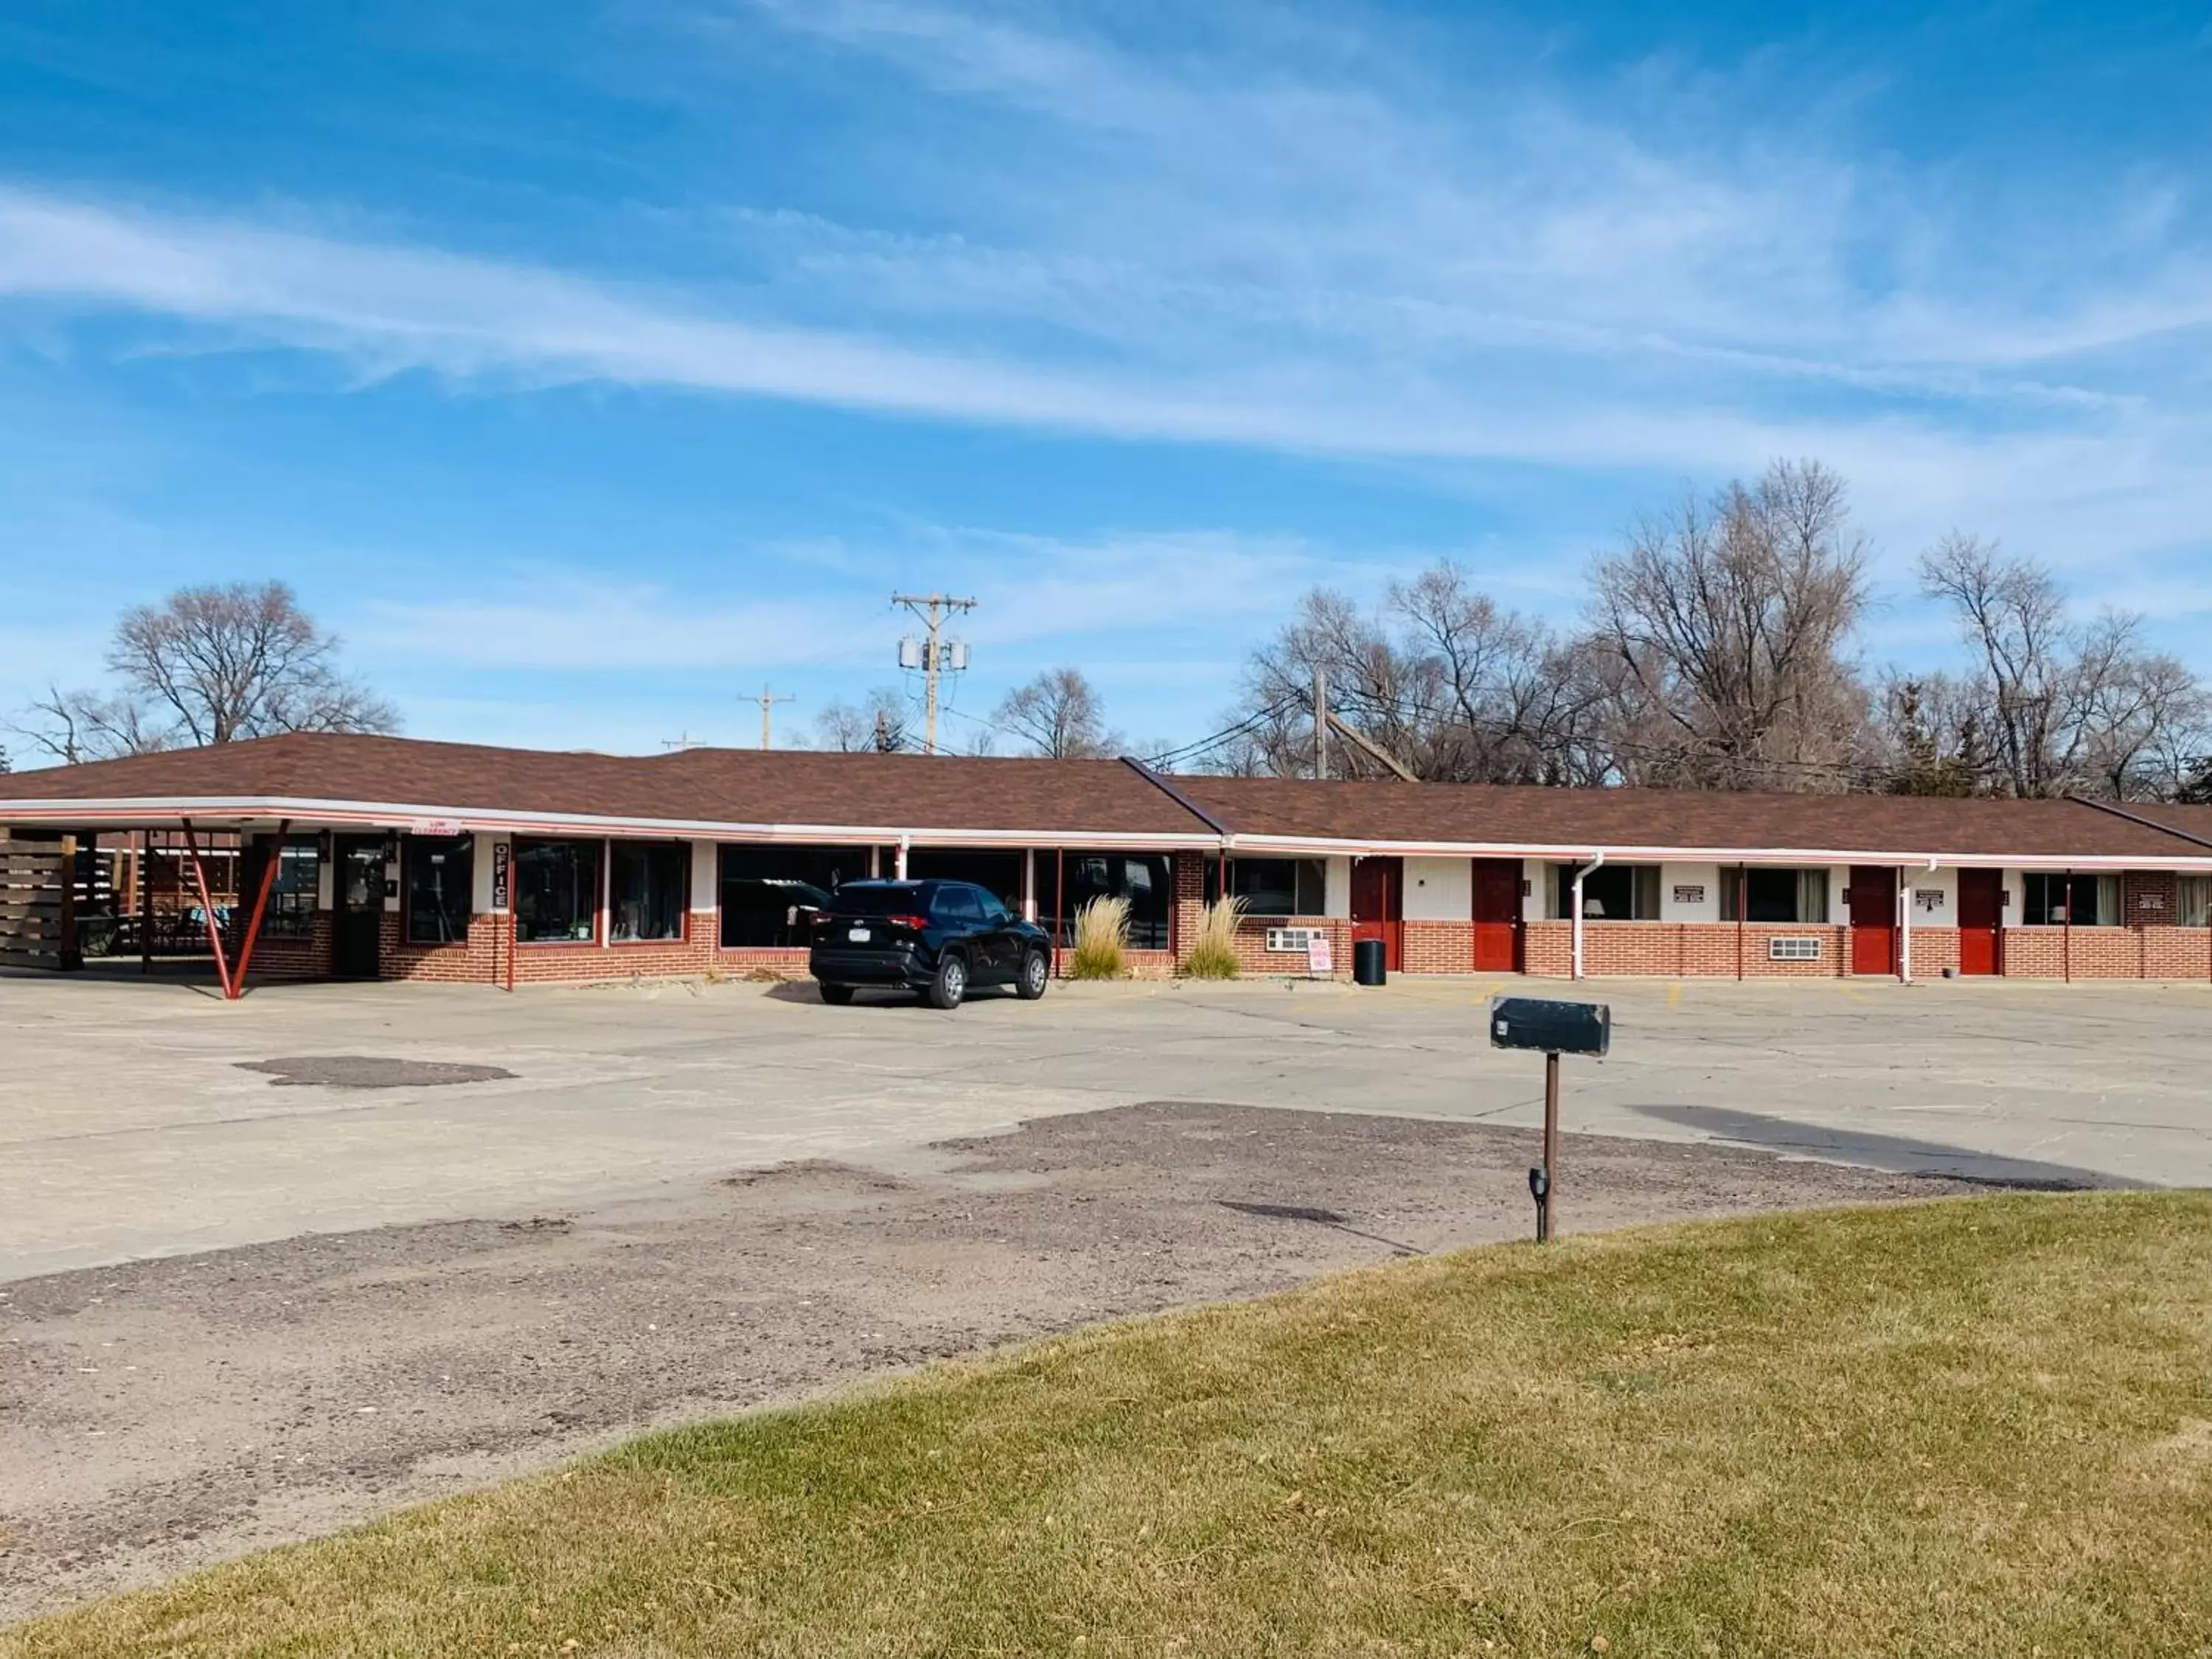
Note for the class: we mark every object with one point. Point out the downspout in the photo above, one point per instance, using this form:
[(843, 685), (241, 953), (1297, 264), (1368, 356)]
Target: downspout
[(1904, 949), (1596, 859)]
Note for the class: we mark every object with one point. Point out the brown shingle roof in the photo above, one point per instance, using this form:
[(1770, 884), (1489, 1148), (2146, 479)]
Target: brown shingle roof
[(1070, 800), (716, 786), (2195, 822), (1507, 815)]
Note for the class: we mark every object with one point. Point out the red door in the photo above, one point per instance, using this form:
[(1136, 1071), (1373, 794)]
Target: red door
[(1873, 899), (1981, 914), (1378, 905), (1497, 915)]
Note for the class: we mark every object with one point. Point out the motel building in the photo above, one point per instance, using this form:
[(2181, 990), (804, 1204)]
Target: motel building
[(367, 858)]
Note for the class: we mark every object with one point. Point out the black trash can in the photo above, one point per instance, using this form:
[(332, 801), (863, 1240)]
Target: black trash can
[(1367, 964)]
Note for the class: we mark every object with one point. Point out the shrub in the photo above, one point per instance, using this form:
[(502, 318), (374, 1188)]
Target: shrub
[(1212, 953), (1102, 939)]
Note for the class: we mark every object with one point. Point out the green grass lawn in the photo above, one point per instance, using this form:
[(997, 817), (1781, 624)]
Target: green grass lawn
[(1979, 1427)]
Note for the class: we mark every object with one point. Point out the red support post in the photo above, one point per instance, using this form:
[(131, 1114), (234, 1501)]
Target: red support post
[(207, 912), (260, 906)]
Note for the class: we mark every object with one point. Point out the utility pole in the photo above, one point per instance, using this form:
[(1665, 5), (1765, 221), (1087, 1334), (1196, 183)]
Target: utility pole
[(1320, 721), (767, 700), (678, 743), (931, 659)]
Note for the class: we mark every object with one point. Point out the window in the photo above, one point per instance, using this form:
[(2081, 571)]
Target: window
[(2058, 901), (556, 891), (1143, 878), (1275, 887), (994, 873), (649, 881), (1774, 896), (957, 903), (2192, 901), (440, 882), (771, 895), (886, 898), (292, 895), (1612, 892)]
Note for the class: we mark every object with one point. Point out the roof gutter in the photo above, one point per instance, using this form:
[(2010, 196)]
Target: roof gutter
[(1560, 852), (2148, 824)]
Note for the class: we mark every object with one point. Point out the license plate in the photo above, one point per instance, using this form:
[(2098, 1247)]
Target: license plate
[(859, 936)]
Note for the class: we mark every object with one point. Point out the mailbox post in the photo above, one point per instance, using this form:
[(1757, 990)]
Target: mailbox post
[(1553, 1029)]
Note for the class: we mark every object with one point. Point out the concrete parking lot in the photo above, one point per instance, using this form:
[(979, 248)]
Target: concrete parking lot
[(275, 1266), (130, 1125)]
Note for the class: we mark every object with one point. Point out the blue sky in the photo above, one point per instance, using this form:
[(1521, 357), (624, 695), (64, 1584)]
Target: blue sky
[(587, 364)]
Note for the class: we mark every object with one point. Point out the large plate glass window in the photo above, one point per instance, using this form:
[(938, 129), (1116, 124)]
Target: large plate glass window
[(1612, 892), (1274, 887), (1786, 896), (291, 894), (2055, 900), (771, 895), (1143, 878), (556, 891), (439, 887), (647, 896)]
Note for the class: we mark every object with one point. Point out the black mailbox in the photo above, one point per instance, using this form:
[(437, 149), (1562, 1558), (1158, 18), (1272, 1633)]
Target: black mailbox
[(1555, 1028)]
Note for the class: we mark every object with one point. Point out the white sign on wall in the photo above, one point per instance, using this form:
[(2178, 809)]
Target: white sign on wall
[(1929, 898), (433, 826), (1690, 894), (1319, 959)]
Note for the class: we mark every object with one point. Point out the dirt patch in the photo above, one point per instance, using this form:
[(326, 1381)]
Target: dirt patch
[(369, 1072), (164, 1414)]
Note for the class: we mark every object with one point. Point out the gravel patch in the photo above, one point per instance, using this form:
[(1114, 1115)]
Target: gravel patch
[(164, 1414)]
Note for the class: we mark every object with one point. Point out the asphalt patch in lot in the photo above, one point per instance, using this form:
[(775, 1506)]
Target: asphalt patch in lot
[(163, 1414), (369, 1072)]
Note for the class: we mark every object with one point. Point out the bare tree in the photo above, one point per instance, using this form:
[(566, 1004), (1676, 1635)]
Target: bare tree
[(1931, 736), (1058, 716), (1453, 687), (70, 726), (1730, 625), (2067, 707), (882, 721), (220, 664)]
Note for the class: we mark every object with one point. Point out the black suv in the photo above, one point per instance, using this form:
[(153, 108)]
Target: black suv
[(935, 936)]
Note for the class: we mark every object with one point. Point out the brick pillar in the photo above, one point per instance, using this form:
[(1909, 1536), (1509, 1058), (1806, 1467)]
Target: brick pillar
[(1189, 900)]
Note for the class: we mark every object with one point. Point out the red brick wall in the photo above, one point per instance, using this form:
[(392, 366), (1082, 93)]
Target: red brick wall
[(1934, 949), (285, 956), (2134, 953), (1254, 956), (1438, 947), (1689, 949)]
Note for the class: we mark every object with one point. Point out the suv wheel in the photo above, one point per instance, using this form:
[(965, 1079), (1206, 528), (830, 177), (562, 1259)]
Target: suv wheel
[(1035, 975), (836, 995), (951, 984)]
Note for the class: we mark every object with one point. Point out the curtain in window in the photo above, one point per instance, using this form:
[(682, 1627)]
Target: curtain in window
[(2192, 903)]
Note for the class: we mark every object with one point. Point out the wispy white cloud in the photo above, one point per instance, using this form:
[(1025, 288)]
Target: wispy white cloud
[(1333, 251)]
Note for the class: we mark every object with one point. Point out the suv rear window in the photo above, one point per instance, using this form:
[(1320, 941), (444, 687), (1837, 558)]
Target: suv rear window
[(887, 899)]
